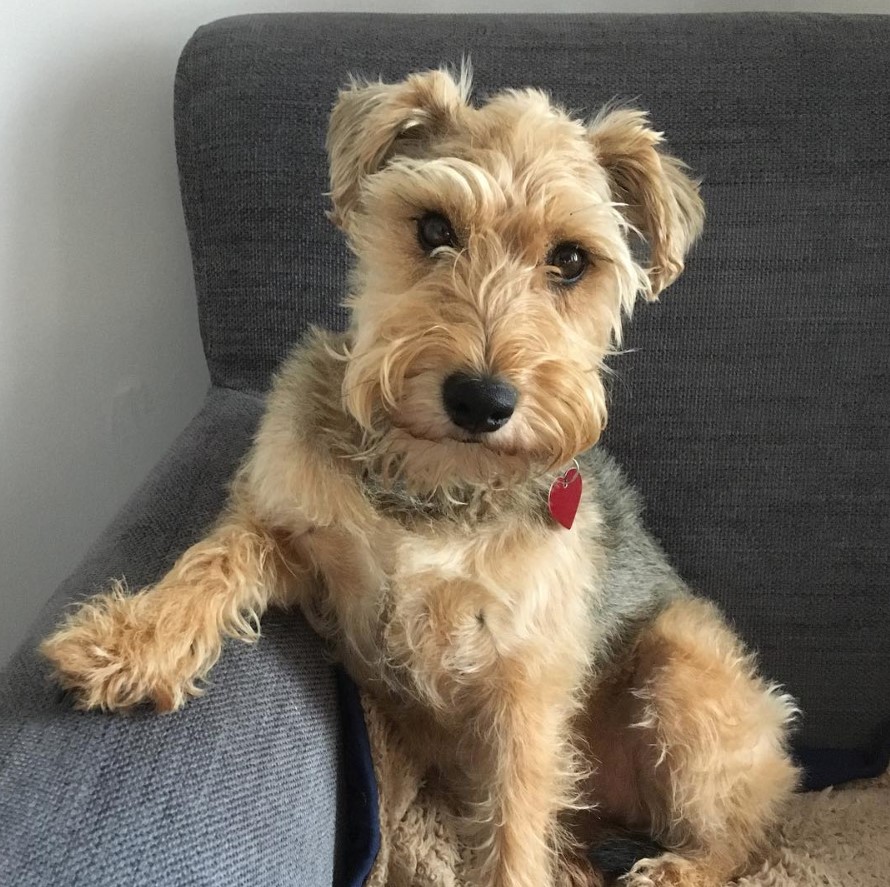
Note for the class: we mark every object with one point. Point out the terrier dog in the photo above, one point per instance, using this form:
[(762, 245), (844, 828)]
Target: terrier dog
[(425, 487)]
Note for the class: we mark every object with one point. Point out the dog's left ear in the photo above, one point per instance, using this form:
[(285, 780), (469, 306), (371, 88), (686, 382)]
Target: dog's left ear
[(659, 199), (373, 122)]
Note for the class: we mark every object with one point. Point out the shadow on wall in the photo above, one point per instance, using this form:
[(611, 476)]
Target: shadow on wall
[(103, 365)]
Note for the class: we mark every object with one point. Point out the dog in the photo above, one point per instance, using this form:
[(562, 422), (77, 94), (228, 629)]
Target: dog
[(425, 487)]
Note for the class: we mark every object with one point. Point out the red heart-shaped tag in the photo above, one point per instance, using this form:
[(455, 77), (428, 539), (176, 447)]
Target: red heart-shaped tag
[(564, 497)]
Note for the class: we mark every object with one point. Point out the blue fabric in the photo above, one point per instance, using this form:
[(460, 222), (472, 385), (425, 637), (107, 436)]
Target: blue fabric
[(360, 820), (832, 766)]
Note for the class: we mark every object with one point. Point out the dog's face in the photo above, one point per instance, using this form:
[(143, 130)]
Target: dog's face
[(493, 269)]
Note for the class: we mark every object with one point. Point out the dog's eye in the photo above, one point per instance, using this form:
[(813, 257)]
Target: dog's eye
[(570, 262), (434, 230)]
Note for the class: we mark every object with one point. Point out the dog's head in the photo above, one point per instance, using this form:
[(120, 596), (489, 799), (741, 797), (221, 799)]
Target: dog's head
[(494, 266)]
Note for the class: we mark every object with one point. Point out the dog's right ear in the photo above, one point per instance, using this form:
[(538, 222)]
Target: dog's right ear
[(659, 198), (373, 122)]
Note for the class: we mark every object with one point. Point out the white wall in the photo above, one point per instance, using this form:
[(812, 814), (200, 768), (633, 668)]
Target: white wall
[(99, 348)]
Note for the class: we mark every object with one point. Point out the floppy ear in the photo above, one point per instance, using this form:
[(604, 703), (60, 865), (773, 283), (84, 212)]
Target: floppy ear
[(659, 199), (373, 122)]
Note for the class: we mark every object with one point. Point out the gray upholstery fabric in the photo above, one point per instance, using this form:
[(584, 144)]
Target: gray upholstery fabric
[(753, 408), (240, 787)]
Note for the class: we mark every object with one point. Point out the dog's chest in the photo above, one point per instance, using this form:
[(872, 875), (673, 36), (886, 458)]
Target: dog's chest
[(517, 570), (435, 603)]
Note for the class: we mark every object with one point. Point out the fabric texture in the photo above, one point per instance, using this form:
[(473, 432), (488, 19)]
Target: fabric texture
[(835, 838), (753, 403), (240, 787)]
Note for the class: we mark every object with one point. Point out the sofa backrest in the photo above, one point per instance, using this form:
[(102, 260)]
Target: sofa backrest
[(752, 406)]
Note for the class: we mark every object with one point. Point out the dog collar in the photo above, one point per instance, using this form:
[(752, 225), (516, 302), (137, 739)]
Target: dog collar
[(564, 496)]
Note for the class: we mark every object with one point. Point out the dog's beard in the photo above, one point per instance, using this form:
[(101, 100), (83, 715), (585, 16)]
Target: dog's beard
[(408, 438)]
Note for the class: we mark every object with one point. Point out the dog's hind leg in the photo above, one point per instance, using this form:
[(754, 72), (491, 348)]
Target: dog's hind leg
[(691, 745)]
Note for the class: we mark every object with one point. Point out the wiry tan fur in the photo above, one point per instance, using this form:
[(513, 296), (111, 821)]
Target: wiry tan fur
[(425, 555)]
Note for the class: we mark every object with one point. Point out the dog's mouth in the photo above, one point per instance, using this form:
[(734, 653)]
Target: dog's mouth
[(455, 436), (492, 443)]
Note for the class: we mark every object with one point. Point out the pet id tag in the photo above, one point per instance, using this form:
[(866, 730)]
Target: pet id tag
[(565, 497)]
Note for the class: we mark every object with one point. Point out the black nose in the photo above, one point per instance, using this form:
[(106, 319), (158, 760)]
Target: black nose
[(478, 403)]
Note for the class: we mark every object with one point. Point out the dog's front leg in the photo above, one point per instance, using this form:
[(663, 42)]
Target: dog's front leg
[(117, 650), (523, 778), (502, 703)]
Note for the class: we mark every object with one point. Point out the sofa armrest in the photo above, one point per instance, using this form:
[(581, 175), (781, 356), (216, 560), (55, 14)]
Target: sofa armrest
[(240, 787)]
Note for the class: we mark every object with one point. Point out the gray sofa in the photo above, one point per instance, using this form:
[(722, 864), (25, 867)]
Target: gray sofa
[(752, 408)]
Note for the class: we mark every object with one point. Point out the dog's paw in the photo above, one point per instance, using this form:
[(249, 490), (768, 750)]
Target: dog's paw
[(667, 870), (110, 655)]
